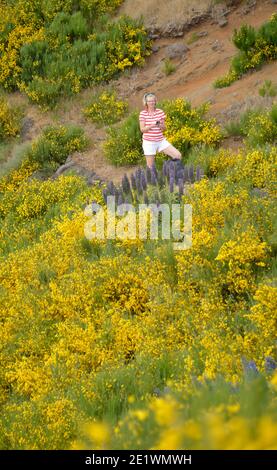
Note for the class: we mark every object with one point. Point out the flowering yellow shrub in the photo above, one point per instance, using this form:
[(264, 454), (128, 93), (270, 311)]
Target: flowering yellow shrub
[(241, 256), (174, 425), (117, 343), (187, 127), (9, 120), (256, 169), (264, 316), (14, 179), (106, 109)]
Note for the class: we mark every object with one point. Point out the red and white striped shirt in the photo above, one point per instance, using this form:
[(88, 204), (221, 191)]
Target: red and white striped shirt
[(154, 134)]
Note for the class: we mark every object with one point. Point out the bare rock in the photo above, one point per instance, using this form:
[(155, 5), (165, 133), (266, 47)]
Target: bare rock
[(79, 170), (202, 34), (27, 125), (216, 45), (222, 22), (153, 32), (226, 12), (176, 51), (173, 30), (155, 49)]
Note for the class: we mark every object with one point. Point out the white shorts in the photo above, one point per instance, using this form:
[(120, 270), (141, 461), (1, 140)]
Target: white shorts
[(151, 148)]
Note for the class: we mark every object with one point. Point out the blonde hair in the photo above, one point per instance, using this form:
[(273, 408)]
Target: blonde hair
[(148, 95)]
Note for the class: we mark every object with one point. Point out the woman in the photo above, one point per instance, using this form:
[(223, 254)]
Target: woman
[(152, 125)]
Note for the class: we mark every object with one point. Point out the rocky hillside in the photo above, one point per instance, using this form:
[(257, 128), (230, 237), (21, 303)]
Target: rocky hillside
[(198, 43)]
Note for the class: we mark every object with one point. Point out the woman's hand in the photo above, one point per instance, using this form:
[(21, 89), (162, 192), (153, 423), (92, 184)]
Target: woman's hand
[(162, 126)]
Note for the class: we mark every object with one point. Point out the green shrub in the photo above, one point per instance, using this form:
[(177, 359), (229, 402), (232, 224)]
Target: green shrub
[(56, 143), (123, 146), (52, 53), (227, 80), (68, 27), (273, 114), (240, 63), (244, 38), (33, 59), (90, 9), (268, 89), (268, 31), (255, 48), (233, 128), (43, 92)]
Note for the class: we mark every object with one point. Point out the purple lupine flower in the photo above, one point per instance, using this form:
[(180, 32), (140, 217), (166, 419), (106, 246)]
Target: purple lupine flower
[(126, 184), (105, 194), (137, 177), (139, 186), (171, 167), (165, 168), (116, 194), (120, 199), (138, 171), (249, 367), (180, 173), (133, 182), (171, 173), (191, 173), (186, 174), (171, 185), (181, 187), (154, 169), (143, 181), (153, 177), (270, 364), (160, 179), (146, 200), (111, 188), (148, 174), (197, 178)]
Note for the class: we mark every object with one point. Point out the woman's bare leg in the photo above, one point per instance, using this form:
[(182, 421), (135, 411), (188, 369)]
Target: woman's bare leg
[(172, 152), (150, 160)]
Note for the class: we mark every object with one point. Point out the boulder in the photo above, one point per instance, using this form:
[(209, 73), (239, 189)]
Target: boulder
[(78, 170), (222, 22), (175, 51)]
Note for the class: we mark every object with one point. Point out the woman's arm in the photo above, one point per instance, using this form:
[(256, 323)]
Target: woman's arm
[(162, 126), (144, 128)]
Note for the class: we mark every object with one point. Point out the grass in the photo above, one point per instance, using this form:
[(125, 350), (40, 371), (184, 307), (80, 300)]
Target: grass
[(11, 155), (168, 67), (193, 38), (268, 89)]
